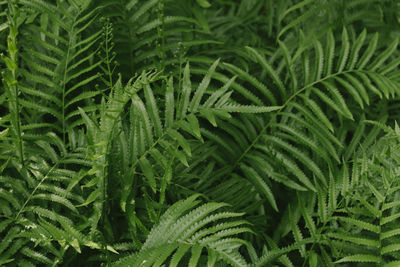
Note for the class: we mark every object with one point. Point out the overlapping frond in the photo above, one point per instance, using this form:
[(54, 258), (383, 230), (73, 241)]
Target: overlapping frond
[(367, 225), (117, 116), (301, 138), (152, 147), (33, 199), (59, 64), (354, 220), (188, 229), (158, 35)]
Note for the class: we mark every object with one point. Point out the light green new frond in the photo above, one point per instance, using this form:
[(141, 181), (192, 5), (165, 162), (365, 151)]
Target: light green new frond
[(181, 230)]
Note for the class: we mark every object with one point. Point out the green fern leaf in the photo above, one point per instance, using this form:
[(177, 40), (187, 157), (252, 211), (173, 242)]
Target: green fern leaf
[(368, 52), (194, 104), (360, 258)]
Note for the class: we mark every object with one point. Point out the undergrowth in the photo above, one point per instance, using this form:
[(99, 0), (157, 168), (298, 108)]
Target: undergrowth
[(199, 133)]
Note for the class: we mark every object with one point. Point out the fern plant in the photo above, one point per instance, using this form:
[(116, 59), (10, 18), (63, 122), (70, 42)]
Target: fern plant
[(300, 138), (199, 133)]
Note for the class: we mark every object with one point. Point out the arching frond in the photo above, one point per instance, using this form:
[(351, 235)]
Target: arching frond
[(303, 121), (185, 227), (154, 146)]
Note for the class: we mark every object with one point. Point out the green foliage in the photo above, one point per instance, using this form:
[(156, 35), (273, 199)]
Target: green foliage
[(199, 133), (178, 233)]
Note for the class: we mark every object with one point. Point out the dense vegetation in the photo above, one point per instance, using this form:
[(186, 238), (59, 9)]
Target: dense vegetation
[(199, 133)]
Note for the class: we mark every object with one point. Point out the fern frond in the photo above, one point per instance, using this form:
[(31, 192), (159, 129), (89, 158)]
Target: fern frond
[(324, 86), (58, 63), (178, 233)]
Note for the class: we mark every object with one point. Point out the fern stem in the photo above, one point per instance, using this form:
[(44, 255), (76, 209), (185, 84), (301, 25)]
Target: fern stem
[(320, 230), (108, 33), (36, 188), (63, 89), (267, 258), (161, 34), (12, 82), (158, 140)]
